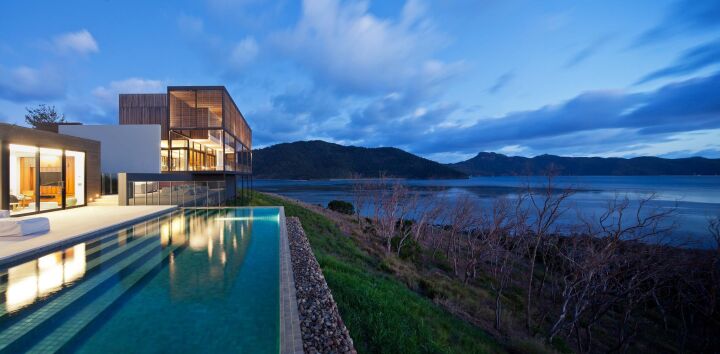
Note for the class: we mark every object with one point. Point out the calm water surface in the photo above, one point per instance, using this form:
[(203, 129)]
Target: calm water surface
[(696, 198), (193, 281)]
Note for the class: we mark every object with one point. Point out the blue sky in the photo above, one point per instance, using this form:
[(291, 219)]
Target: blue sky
[(443, 79)]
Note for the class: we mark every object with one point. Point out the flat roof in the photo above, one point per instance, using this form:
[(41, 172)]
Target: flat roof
[(24, 135)]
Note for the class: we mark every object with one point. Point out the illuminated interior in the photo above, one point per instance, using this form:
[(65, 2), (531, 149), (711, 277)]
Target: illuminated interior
[(22, 178), (206, 133), (37, 182), (51, 181), (74, 178)]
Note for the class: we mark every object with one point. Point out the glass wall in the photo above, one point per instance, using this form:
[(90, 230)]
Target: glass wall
[(230, 161), (207, 126), (39, 181), (51, 181), (194, 150), (23, 179), (189, 194), (74, 178)]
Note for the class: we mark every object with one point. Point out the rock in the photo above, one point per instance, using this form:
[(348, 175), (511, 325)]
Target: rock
[(322, 328)]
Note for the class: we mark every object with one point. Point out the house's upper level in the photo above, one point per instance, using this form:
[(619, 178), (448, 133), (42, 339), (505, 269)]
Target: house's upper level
[(202, 128)]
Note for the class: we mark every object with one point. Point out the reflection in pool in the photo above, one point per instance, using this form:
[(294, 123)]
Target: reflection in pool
[(34, 279), (208, 278)]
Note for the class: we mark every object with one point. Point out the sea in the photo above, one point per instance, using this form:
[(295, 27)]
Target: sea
[(693, 199)]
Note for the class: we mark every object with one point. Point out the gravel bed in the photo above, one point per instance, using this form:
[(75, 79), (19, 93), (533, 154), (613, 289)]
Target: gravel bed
[(323, 331)]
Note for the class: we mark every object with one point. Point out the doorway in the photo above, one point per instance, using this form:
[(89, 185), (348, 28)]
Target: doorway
[(44, 179)]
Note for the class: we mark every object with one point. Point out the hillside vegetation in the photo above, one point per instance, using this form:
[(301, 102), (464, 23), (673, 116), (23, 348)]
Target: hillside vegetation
[(323, 160), (493, 280), (381, 312)]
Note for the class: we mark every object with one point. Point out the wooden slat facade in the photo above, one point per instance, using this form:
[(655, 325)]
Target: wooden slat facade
[(13, 134), (145, 108), (193, 112)]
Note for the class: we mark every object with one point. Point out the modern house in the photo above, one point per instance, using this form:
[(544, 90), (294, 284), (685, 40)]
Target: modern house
[(45, 171), (201, 128), (189, 146)]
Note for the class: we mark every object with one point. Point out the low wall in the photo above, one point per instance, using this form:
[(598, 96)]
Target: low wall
[(323, 330)]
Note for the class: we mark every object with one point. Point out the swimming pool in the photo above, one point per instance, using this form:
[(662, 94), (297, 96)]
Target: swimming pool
[(195, 280)]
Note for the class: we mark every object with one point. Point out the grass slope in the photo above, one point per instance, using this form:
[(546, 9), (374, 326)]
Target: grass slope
[(381, 313)]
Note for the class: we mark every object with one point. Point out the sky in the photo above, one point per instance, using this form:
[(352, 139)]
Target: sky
[(444, 79)]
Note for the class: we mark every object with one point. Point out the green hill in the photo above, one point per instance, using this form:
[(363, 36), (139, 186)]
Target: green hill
[(322, 160)]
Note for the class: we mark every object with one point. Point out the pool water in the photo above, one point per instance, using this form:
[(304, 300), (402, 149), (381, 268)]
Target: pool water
[(195, 280)]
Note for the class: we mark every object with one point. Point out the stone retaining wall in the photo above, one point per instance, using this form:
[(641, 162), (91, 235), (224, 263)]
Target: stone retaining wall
[(323, 330)]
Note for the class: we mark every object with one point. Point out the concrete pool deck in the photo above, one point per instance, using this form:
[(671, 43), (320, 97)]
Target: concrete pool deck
[(70, 225), (290, 333)]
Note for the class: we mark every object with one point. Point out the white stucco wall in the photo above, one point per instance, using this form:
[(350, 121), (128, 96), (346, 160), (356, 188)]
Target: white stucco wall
[(123, 148)]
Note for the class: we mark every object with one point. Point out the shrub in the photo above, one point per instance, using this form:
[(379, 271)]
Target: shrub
[(341, 207), (410, 251)]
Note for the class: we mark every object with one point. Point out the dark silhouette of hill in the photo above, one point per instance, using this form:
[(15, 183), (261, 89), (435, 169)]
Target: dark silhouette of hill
[(492, 164), (322, 160)]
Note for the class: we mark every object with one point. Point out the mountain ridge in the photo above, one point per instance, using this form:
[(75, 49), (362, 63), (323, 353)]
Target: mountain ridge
[(494, 164), (318, 159)]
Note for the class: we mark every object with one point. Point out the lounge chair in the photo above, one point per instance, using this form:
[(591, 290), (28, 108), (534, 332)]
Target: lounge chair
[(10, 227)]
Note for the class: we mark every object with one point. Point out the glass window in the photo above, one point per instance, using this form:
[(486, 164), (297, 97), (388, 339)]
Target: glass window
[(229, 152), (51, 182), (178, 160), (74, 178), (164, 160), (139, 193), (22, 179)]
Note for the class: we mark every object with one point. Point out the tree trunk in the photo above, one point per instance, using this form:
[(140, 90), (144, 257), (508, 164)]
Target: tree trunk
[(531, 275), (498, 309)]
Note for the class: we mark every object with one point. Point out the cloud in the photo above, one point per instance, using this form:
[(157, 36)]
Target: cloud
[(692, 60), (502, 81), (587, 51), (690, 105), (604, 123), (231, 59), (25, 84), (243, 53), (77, 110), (685, 16), (396, 119), (297, 114), (347, 48), (316, 103), (81, 42), (712, 153), (190, 25), (108, 95)]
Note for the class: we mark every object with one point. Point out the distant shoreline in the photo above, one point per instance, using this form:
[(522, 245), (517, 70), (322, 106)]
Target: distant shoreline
[(476, 176)]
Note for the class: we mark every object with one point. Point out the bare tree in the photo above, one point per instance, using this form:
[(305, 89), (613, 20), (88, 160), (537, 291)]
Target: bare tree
[(608, 267), (390, 210), (501, 246), (43, 114), (424, 214), (546, 207), (461, 219), (361, 189)]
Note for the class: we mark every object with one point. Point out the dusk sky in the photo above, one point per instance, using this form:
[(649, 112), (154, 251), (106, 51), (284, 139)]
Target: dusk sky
[(442, 79)]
